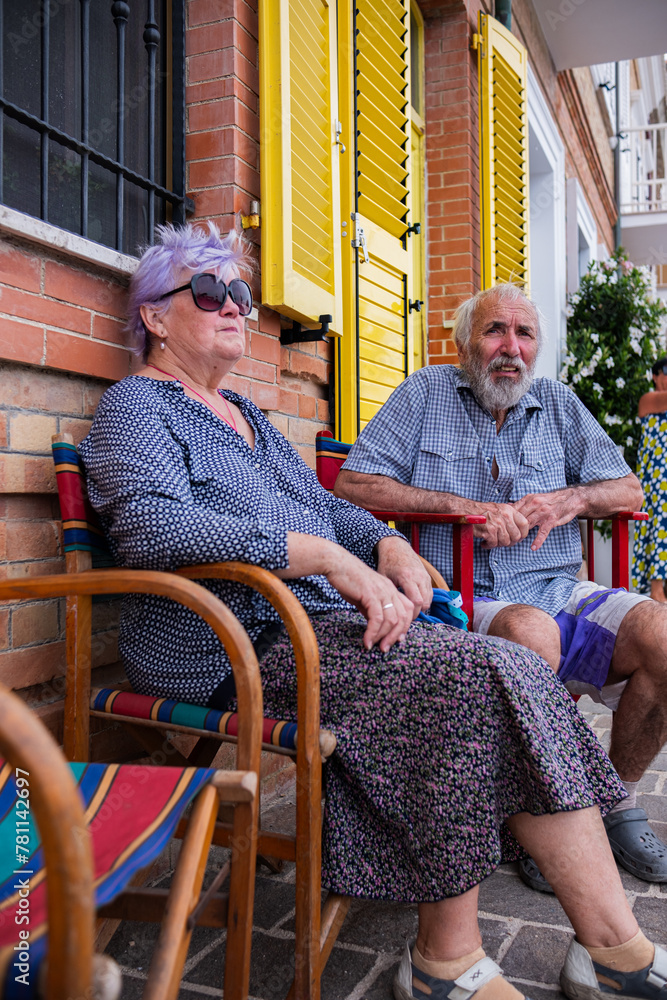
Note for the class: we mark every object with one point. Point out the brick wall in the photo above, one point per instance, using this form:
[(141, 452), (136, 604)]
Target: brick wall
[(61, 346)]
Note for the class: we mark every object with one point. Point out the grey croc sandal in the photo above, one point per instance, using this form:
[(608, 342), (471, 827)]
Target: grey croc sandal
[(579, 978), (531, 876), (463, 988), (636, 846)]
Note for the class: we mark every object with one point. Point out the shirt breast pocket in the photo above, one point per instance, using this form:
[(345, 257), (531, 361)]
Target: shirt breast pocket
[(451, 467), (541, 470)]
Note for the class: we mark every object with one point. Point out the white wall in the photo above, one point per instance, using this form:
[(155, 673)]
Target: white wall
[(547, 227)]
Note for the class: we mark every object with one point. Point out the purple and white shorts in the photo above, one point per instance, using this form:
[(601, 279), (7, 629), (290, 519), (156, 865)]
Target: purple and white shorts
[(588, 624)]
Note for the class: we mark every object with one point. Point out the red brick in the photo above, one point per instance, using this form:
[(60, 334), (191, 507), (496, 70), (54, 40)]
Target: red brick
[(237, 384), (77, 428), (77, 354), (40, 567), (256, 369), (41, 310), (4, 628), (31, 540), (63, 282), (31, 507), (265, 396), (213, 201), (209, 11), (211, 173), (323, 411), (109, 329), (34, 623), (207, 145), (218, 35), (3, 541), (24, 474), (21, 342), (289, 402), (34, 665), (91, 397), (211, 65), (307, 407), (265, 349), (215, 90), (3, 430), (269, 321), (217, 114), (20, 269)]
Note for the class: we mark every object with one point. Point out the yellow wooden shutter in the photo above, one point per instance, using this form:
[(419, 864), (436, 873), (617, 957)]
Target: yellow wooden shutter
[(503, 117), (301, 270), (368, 370)]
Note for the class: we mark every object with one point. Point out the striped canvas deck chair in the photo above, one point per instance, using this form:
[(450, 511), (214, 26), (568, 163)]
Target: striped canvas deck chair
[(330, 455), (72, 836), (148, 719)]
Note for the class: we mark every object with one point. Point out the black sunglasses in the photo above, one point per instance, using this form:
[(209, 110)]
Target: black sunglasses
[(210, 294)]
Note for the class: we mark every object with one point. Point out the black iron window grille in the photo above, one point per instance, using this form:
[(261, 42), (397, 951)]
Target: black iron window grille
[(92, 115)]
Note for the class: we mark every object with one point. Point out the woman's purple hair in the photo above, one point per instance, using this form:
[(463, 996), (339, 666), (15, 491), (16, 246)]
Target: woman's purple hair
[(191, 247)]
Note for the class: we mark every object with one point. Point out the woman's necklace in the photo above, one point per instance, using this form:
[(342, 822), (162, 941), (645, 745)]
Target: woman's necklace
[(231, 421)]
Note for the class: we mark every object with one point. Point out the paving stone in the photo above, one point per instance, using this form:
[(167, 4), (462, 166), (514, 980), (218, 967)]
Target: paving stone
[(271, 967), (343, 971), (537, 954), (273, 901), (382, 926), (381, 987), (494, 935), (649, 782), (651, 914), (509, 897), (655, 807), (534, 992), (133, 943)]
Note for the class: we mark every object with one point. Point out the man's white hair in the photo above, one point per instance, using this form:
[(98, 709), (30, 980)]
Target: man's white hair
[(509, 292)]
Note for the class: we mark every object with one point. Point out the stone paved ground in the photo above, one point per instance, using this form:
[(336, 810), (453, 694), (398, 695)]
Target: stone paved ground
[(525, 931)]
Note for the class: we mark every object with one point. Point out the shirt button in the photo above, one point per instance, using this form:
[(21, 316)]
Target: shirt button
[(539, 465)]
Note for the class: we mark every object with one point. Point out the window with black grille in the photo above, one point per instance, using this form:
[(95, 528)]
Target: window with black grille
[(92, 104)]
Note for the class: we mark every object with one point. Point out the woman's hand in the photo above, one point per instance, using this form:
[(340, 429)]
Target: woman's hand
[(397, 560), (388, 612)]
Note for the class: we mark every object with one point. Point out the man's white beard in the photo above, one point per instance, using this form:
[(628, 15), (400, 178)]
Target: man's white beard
[(504, 393)]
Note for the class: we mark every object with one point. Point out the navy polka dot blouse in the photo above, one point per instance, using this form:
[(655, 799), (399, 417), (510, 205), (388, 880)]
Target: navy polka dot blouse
[(175, 485)]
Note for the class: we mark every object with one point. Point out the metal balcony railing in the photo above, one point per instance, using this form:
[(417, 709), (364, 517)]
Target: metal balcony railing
[(643, 180)]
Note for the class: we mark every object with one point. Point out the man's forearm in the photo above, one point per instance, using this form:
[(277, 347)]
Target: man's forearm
[(607, 497), (384, 493)]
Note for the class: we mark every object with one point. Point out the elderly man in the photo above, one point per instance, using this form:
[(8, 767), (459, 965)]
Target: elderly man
[(489, 439)]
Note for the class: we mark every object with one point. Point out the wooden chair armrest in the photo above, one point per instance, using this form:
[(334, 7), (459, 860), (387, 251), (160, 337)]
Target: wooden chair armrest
[(54, 801), (215, 613), (303, 641)]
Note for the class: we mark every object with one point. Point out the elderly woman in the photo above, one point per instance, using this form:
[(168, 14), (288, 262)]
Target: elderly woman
[(453, 749)]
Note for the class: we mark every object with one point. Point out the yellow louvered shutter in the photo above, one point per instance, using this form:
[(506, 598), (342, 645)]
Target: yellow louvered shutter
[(503, 119), (301, 225), (371, 365)]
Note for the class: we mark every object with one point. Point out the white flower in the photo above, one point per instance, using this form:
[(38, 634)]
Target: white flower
[(609, 362), (597, 388), (636, 346), (620, 383), (595, 337), (611, 419), (628, 442), (576, 378)]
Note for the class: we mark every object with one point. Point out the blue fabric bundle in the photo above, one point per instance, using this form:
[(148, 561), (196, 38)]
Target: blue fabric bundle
[(445, 610)]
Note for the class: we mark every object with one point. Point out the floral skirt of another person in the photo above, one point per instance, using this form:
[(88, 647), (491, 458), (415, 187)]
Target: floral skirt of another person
[(439, 740), (649, 560)]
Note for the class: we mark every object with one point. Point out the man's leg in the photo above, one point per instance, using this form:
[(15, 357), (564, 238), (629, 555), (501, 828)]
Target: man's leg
[(529, 627), (639, 728)]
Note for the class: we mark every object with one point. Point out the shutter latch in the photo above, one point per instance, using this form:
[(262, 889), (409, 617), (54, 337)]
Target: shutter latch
[(339, 132), (359, 241)]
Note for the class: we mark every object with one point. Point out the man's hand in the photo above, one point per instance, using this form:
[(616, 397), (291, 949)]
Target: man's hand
[(505, 525), (548, 510), (397, 560)]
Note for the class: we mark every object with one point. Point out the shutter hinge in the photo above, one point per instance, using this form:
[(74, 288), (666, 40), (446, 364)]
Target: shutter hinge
[(295, 335), (416, 305), (359, 241), (415, 228)]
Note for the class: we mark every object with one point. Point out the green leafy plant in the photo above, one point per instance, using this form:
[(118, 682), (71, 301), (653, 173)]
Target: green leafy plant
[(613, 338)]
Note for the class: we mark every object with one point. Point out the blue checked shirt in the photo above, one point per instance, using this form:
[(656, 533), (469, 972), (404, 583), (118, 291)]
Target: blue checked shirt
[(432, 433)]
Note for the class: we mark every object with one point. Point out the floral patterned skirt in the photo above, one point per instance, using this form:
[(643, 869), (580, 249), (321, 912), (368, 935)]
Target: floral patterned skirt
[(439, 740)]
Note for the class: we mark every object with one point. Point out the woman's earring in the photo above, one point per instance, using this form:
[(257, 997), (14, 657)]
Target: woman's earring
[(162, 345)]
